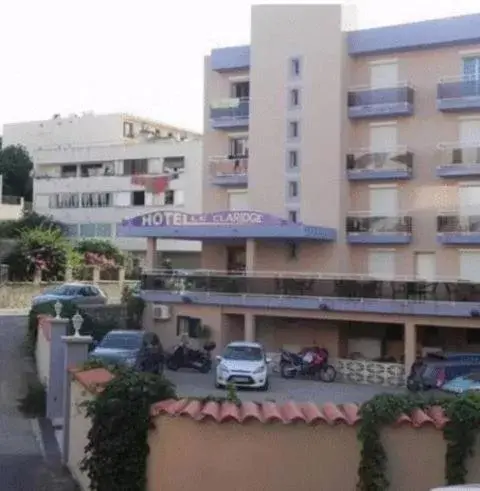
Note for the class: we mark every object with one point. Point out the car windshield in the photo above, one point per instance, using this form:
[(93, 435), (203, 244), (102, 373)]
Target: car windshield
[(248, 353), (474, 377), (121, 341), (61, 290)]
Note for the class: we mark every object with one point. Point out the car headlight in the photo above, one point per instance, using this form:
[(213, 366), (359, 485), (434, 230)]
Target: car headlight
[(130, 362), (260, 369), (223, 368)]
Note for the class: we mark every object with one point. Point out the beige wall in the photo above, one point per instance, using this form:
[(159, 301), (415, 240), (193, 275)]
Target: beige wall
[(42, 352), (327, 135), (273, 456)]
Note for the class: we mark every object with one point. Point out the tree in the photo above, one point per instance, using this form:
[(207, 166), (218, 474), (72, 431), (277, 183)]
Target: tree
[(12, 229), (39, 248), (101, 253), (16, 167)]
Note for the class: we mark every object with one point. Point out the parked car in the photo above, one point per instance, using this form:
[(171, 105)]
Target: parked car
[(465, 383), (135, 349), (79, 293), (182, 356), (243, 364), (433, 372)]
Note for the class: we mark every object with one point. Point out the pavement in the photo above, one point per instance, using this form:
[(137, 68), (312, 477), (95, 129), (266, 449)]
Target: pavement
[(29, 457), (193, 384)]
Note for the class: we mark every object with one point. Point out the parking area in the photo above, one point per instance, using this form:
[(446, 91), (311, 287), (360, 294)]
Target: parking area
[(194, 384)]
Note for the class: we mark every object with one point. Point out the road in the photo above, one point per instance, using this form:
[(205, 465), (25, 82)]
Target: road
[(194, 384), (23, 465)]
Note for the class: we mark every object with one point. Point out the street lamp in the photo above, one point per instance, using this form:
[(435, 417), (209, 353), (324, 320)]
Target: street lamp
[(77, 321)]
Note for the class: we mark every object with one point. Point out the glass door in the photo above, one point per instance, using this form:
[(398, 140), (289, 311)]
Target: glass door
[(471, 76)]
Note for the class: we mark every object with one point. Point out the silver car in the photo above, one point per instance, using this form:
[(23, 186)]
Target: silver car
[(78, 293)]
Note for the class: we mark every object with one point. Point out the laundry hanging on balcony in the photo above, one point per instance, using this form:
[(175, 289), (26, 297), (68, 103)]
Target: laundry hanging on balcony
[(154, 185)]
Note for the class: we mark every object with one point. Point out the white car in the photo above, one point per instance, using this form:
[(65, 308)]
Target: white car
[(243, 364)]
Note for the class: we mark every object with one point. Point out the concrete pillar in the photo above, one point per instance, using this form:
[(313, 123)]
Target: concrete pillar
[(121, 276), (96, 275), (75, 354), (151, 253), (249, 333), (37, 276), (69, 275), (56, 371), (250, 255), (410, 345)]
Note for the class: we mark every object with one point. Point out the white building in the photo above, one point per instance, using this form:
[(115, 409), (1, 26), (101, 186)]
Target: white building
[(92, 171)]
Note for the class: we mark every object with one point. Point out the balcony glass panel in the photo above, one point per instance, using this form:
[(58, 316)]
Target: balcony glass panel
[(310, 286), (230, 112), (365, 164), (229, 171), (379, 225), (458, 160), (458, 94), (381, 101)]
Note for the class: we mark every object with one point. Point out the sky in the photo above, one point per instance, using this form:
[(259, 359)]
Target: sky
[(143, 57)]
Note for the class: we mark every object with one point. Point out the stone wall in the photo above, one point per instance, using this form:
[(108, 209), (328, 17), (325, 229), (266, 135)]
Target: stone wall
[(19, 295)]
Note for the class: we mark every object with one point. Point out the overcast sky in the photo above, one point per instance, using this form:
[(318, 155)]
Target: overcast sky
[(142, 56)]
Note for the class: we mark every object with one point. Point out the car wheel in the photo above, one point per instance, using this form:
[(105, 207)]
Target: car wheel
[(265, 386), (218, 386)]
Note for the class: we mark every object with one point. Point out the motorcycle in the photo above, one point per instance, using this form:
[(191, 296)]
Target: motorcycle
[(182, 356), (310, 362)]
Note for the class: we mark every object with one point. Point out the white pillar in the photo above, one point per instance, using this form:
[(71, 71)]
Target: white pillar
[(249, 333), (410, 345), (150, 262), (250, 255)]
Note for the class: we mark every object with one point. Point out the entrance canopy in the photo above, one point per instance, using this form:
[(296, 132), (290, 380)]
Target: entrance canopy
[(221, 225)]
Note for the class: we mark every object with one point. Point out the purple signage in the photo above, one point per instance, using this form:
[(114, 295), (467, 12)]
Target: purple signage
[(179, 219)]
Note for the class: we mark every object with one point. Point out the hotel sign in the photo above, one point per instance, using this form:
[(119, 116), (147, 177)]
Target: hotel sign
[(223, 218)]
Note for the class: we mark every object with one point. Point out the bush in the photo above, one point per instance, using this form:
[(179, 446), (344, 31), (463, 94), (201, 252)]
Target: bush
[(97, 252), (135, 307)]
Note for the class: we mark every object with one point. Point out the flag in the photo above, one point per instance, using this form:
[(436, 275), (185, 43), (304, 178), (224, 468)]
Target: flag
[(157, 185)]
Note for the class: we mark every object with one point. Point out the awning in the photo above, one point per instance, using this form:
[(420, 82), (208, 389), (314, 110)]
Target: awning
[(224, 225)]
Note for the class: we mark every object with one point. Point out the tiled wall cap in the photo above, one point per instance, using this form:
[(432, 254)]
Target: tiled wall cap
[(266, 412)]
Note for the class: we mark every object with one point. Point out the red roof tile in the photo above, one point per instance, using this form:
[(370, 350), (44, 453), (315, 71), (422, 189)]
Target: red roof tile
[(93, 379), (289, 412)]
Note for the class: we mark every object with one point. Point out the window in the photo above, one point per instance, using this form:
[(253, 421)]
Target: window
[(96, 200), (132, 167), (68, 171), (293, 189), (138, 198), (294, 97), (470, 266), (87, 230), (241, 90), (293, 159), (383, 138), (89, 170), (469, 197), (293, 129), (384, 202), (425, 265), (95, 230), (64, 200), (238, 201), (238, 147), (179, 197), (381, 264), (173, 164), (128, 129), (295, 67), (169, 197), (189, 325), (71, 229), (292, 216), (384, 74)]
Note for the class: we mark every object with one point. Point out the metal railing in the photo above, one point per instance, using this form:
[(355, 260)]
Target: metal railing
[(229, 166), (459, 154), (379, 224), (368, 96), (308, 285), (366, 159), (233, 108), (456, 223), (458, 87)]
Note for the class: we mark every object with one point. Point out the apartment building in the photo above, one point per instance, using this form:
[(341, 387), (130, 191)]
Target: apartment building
[(342, 190), (92, 171)]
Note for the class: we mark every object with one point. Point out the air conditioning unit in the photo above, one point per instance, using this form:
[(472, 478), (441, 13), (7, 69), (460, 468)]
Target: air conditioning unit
[(161, 312)]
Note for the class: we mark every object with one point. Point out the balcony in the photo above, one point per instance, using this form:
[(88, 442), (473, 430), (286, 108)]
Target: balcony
[(367, 229), (381, 102), (314, 292), (229, 171), (457, 160), (456, 94), (365, 165), (456, 229), (230, 114)]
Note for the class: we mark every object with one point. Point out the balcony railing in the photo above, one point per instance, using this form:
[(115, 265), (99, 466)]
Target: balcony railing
[(458, 93), (388, 101), (279, 285), (455, 228), (229, 171), (378, 229), (458, 160), (366, 164), (230, 113)]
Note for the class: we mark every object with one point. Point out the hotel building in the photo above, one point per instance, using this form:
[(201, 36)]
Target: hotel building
[(342, 198)]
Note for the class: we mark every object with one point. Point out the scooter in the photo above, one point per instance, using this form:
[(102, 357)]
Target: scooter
[(181, 356), (310, 363)]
